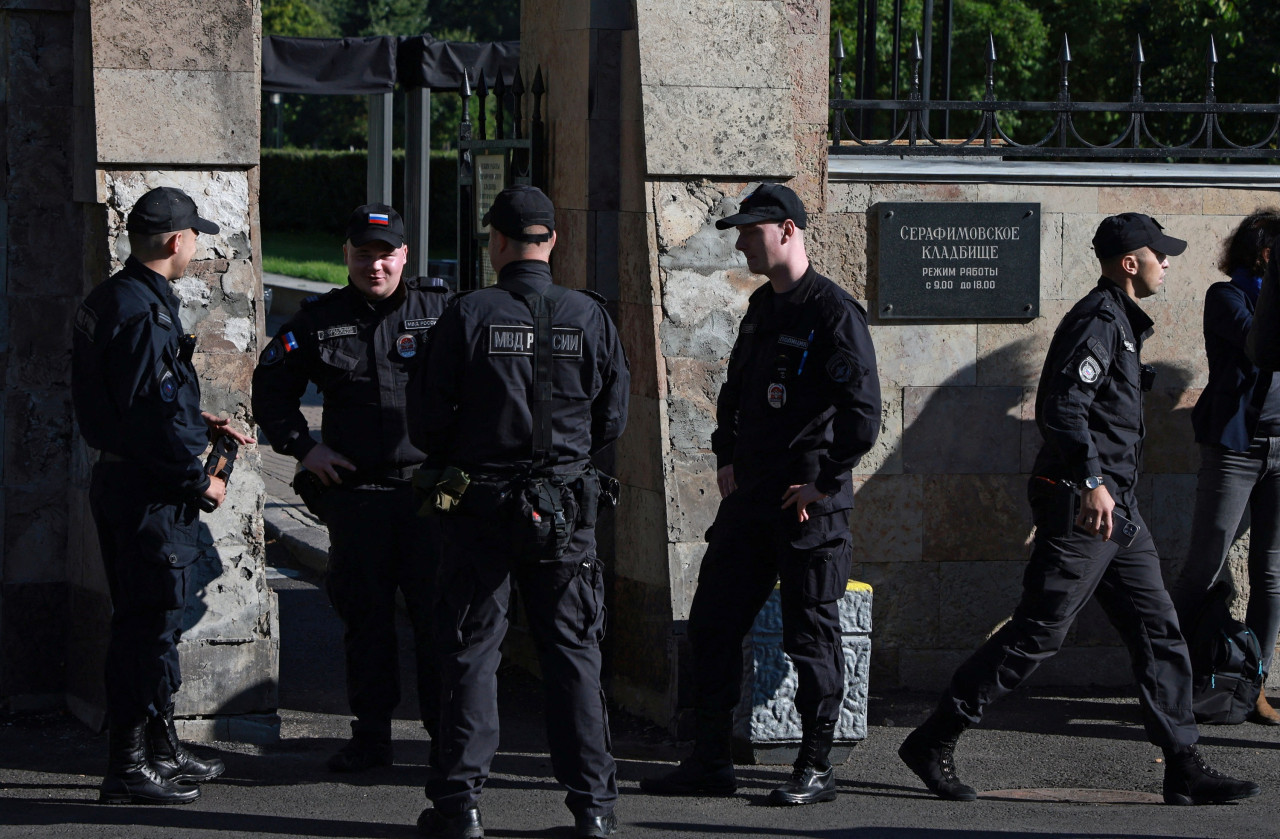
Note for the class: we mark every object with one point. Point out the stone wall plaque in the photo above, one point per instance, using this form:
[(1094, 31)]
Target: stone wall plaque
[(954, 261)]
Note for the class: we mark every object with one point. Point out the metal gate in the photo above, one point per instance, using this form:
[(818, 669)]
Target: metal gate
[(487, 166)]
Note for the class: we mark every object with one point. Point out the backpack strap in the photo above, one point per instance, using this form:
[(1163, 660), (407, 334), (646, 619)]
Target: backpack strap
[(541, 305)]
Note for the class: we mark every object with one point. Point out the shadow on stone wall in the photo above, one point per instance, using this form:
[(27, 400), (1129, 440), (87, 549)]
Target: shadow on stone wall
[(942, 530)]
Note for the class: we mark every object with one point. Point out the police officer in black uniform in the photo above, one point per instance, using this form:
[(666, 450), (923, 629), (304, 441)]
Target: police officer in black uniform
[(799, 408), (1090, 538), (519, 403), (137, 401), (358, 345)]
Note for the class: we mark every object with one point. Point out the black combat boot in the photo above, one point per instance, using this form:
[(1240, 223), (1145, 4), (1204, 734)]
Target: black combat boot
[(929, 751), (170, 759), (709, 770), (130, 778), (361, 752), (436, 825), (814, 778), (1189, 779)]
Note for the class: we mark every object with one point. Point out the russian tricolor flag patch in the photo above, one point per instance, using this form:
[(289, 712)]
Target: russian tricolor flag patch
[(379, 218)]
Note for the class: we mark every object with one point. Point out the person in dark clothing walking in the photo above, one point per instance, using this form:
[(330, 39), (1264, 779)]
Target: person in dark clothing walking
[(1090, 538), (358, 344), (523, 383), (799, 408), (137, 401), (1237, 424)]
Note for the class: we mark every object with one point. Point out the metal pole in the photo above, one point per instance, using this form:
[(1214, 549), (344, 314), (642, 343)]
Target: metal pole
[(279, 114), (869, 69), (417, 178), (927, 58), (378, 182), (946, 64)]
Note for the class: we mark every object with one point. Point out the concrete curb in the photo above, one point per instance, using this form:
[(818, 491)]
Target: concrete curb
[(302, 534)]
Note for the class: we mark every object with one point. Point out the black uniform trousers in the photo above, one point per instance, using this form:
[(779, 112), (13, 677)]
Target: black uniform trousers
[(379, 544), (1063, 573), (148, 543), (754, 545), (564, 604)]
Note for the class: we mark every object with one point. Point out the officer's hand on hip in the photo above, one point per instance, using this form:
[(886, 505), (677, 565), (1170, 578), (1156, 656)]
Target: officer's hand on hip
[(725, 481), (219, 426), (322, 460), (217, 491), (1095, 512), (801, 495)]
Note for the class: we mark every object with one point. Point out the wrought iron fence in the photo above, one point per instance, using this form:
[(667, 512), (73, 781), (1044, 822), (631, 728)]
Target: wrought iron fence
[(909, 134)]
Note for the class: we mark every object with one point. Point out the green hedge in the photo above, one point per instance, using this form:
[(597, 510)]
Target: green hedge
[(313, 190)]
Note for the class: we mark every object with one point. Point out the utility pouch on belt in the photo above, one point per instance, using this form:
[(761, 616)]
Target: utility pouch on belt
[(219, 464), (546, 514), (440, 490), (310, 489)]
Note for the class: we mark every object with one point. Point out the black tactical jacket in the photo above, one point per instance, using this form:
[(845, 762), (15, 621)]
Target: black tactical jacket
[(133, 385), (1089, 405), (801, 401), (359, 354), (469, 403)]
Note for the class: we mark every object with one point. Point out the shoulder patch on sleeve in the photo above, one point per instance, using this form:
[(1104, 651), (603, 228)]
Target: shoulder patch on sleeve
[(840, 367)]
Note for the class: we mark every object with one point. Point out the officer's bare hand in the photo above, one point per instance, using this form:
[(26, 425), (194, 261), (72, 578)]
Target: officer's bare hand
[(801, 495), (725, 481), (323, 461), (220, 426), (217, 491), (1095, 512)]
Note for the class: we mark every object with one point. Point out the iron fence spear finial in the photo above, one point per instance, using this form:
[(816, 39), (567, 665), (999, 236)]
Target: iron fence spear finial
[(1211, 61), (991, 65), (466, 97), (1138, 60), (1064, 61)]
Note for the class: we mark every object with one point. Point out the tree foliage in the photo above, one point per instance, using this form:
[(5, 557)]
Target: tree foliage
[(1102, 35)]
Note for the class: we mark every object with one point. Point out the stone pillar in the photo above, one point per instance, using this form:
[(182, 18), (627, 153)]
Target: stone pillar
[(661, 113), (101, 104)]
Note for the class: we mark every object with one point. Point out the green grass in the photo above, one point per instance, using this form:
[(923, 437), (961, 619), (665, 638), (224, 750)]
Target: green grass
[(311, 256)]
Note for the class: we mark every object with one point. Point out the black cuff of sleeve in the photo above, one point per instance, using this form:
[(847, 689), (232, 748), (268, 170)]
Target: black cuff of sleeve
[(827, 485), (300, 446)]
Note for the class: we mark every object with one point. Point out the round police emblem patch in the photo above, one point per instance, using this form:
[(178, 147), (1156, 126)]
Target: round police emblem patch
[(407, 345), (777, 395), (168, 387), (273, 353), (1089, 370), (839, 368)]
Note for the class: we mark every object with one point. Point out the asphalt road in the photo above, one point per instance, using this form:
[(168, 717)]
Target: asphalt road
[(1050, 766)]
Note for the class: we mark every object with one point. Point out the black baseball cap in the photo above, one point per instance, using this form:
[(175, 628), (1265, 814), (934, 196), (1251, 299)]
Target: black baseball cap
[(375, 223), (771, 202), (164, 210), (518, 207), (1127, 232)]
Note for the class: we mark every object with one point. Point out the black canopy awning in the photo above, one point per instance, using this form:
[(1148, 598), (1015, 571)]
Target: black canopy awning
[(377, 64)]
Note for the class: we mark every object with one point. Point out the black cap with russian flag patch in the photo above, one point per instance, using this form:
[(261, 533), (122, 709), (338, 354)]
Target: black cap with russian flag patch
[(375, 222)]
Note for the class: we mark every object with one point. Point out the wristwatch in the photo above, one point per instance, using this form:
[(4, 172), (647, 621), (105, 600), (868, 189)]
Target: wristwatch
[(1092, 482)]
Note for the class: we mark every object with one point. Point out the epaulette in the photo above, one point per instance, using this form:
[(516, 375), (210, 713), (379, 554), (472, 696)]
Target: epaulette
[(308, 302), (596, 296), (458, 295), (435, 284), (1106, 310)]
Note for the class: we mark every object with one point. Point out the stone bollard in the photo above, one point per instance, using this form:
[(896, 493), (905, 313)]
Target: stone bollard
[(766, 726)]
